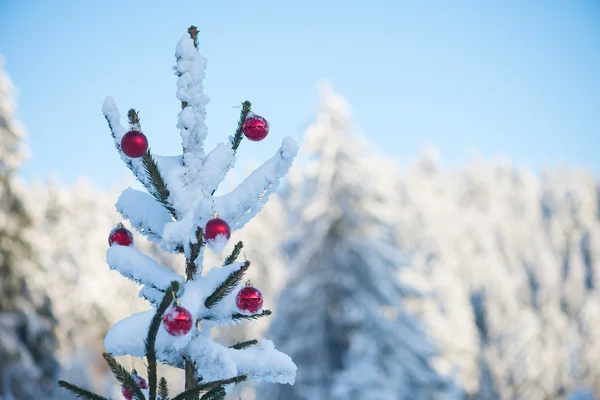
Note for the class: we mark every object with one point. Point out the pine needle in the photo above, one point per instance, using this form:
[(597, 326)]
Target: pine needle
[(235, 253), (243, 345), (79, 392), (123, 376), (187, 395), (227, 286), (163, 389)]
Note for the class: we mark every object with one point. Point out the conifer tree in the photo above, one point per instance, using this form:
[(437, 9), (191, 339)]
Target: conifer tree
[(181, 213)]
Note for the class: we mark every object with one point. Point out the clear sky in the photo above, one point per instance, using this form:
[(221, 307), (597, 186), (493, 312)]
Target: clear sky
[(513, 77)]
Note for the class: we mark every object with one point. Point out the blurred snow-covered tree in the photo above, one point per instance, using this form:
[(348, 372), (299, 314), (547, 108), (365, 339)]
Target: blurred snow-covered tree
[(341, 314), (27, 342)]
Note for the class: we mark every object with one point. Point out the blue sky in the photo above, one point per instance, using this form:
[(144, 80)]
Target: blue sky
[(517, 78)]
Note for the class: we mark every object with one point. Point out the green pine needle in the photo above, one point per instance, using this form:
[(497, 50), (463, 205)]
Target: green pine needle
[(227, 286), (188, 394), (243, 345), (235, 253), (79, 392), (238, 316), (217, 393), (151, 338), (163, 389), (123, 376)]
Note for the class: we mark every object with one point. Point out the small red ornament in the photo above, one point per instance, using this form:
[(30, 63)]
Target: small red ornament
[(217, 233), (249, 298), (178, 321), (134, 144), (120, 236), (255, 128), (141, 383)]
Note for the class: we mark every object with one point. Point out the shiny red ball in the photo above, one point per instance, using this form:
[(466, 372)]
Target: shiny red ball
[(141, 383), (178, 321), (120, 236), (255, 128), (216, 227), (249, 299), (134, 144)]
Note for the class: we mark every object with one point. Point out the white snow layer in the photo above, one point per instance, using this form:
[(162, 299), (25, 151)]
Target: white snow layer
[(139, 267), (145, 214)]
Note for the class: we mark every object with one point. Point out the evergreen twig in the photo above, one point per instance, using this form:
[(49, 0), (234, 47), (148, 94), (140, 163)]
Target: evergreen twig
[(239, 132), (190, 266), (235, 253), (79, 392), (217, 393), (207, 386), (163, 389), (123, 376), (243, 345), (193, 31), (158, 187), (227, 286), (151, 338), (238, 316)]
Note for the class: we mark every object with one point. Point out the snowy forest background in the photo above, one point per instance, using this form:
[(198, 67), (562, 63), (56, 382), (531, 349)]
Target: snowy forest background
[(499, 266)]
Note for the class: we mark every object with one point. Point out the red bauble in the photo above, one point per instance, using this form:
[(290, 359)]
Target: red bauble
[(141, 383), (255, 128), (249, 299), (120, 236), (134, 144), (178, 321), (216, 227)]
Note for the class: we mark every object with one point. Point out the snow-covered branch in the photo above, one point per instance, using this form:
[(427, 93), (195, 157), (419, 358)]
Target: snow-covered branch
[(113, 117), (248, 198), (144, 213), (139, 267)]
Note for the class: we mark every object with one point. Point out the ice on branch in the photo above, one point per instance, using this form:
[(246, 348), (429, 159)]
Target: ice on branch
[(190, 69), (248, 198), (152, 295), (139, 267), (145, 214)]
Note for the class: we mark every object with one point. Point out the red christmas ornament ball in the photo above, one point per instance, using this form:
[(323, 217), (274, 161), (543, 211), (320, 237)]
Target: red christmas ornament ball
[(249, 299), (178, 321), (141, 383), (255, 128), (216, 227), (120, 236), (134, 144)]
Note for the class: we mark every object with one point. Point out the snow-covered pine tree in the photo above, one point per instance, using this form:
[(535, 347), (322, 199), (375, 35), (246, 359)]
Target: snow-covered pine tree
[(351, 336), (181, 213), (27, 342)]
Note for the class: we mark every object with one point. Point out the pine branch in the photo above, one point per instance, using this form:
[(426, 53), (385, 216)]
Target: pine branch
[(190, 264), (237, 249), (163, 389), (217, 393), (227, 286), (193, 31), (243, 345), (187, 395), (79, 392), (151, 339), (123, 376), (239, 132), (238, 316), (159, 188)]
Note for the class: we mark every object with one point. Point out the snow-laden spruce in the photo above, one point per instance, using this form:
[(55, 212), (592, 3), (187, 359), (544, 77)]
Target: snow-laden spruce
[(352, 338), (174, 219)]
